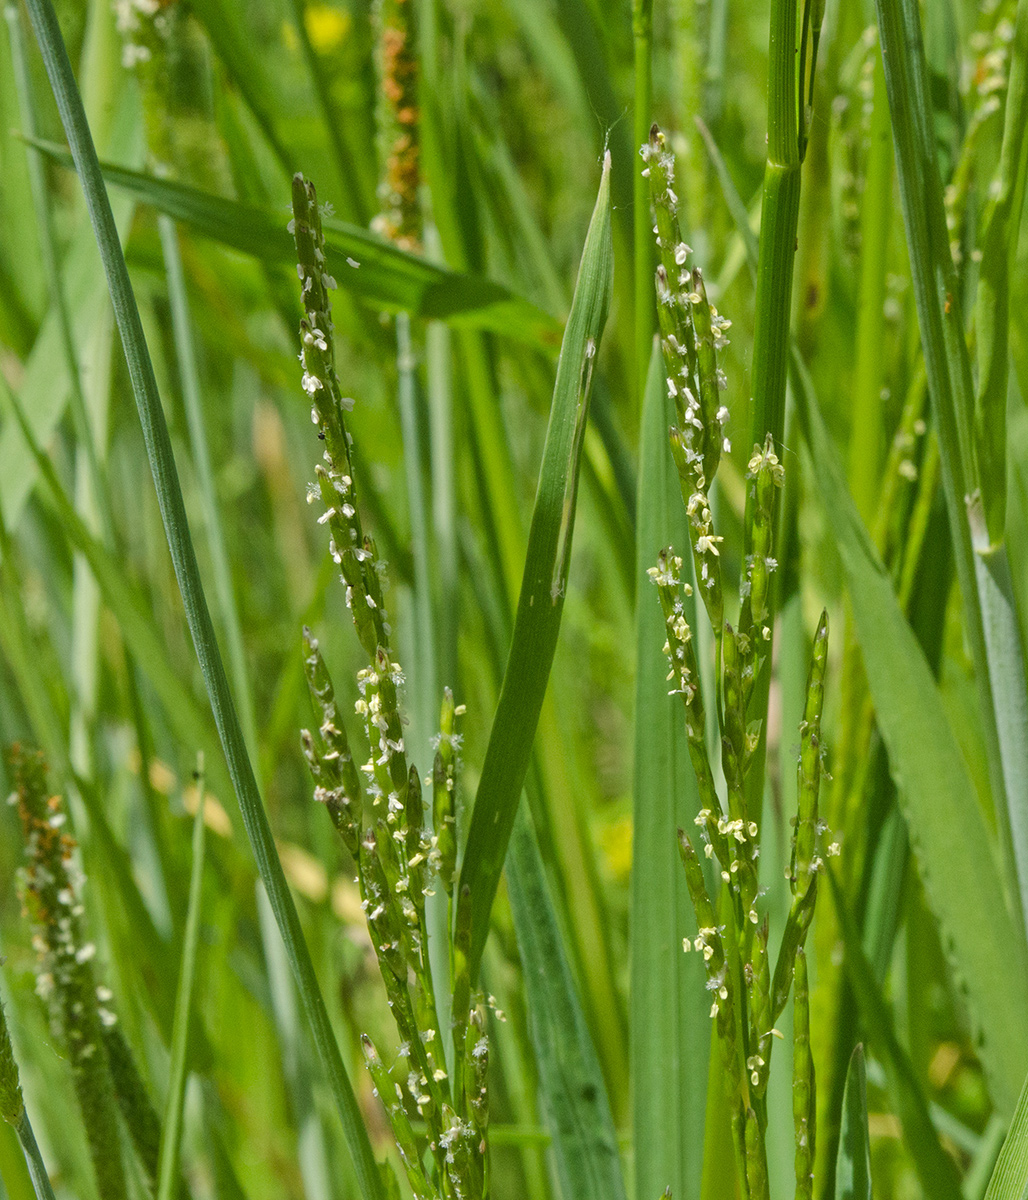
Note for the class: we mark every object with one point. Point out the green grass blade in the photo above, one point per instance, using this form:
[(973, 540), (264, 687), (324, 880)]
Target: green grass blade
[(362, 263), (642, 233), (55, 285), (778, 223), (544, 583), (1010, 1177), (867, 446), (171, 1128), (853, 1172), (423, 689), (189, 376), (1001, 222), (990, 622), (44, 388), (936, 1170), (948, 831), (14, 1171), (296, 1067), (34, 1160), (670, 1027), (575, 1103), (169, 493)]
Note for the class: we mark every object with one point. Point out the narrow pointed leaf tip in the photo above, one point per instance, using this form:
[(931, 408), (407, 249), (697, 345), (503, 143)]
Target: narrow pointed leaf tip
[(853, 1172), (544, 580)]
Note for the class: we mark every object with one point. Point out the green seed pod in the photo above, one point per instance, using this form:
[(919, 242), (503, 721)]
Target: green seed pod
[(793, 937), (709, 943), (803, 1088), (337, 784), (406, 1141), (478, 1081), (759, 1062), (685, 674), (809, 781), (463, 1163), (756, 1158), (708, 377), (444, 787)]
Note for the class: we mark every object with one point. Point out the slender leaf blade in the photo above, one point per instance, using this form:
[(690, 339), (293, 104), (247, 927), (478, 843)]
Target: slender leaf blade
[(544, 582), (853, 1172), (576, 1107), (991, 624), (1010, 1177), (171, 1129), (670, 1027), (362, 263)]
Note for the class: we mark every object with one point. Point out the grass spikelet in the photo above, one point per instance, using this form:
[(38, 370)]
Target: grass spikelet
[(51, 885)]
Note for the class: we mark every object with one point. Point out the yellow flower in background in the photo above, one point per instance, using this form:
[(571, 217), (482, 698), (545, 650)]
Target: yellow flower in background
[(326, 27)]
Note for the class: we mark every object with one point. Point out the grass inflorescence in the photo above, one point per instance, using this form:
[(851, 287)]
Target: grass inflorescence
[(747, 998), (379, 810)]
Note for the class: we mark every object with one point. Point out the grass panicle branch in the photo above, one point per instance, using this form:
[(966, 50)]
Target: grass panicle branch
[(378, 808), (732, 935)]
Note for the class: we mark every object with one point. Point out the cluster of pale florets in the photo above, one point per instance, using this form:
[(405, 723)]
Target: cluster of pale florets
[(51, 884), (141, 23), (735, 842)]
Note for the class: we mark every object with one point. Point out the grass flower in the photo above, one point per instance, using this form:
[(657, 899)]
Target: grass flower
[(746, 1000), (436, 1097)]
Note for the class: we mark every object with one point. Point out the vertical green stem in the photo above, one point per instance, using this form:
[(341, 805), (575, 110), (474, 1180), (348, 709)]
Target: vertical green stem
[(867, 441), (171, 1133), (37, 1168), (642, 30), (779, 223), (992, 309)]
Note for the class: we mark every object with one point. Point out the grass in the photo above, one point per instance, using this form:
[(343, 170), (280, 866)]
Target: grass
[(461, 975)]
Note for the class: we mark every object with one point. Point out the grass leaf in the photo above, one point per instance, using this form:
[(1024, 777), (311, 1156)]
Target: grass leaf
[(936, 1170), (670, 1029), (362, 263), (574, 1097), (853, 1173), (171, 1129), (990, 620), (1010, 1178), (544, 583)]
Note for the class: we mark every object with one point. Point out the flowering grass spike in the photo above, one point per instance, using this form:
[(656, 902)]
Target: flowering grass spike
[(746, 999), (435, 1093)]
